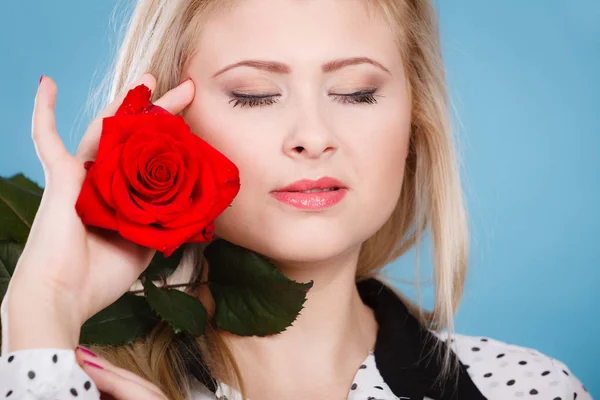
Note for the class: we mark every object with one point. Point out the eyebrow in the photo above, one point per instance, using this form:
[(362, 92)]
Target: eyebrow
[(281, 68)]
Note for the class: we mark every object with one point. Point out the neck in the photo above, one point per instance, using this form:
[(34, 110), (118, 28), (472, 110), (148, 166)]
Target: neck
[(331, 336)]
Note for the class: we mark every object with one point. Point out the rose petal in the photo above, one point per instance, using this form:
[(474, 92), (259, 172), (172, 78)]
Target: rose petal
[(225, 175), (226, 172), (187, 179), (124, 204), (156, 237), (161, 171), (138, 152), (91, 208), (205, 236), (105, 171), (131, 163), (203, 200), (115, 131), (217, 185), (136, 101), (162, 213), (180, 203), (170, 161), (156, 110)]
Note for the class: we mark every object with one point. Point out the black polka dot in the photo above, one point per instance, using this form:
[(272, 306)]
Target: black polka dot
[(11, 358), (467, 366), (354, 386), (522, 362), (545, 373), (533, 391), (557, 398), (87, 385), (484, 340), (475, 349), (487, 375), (73, 392), (511, 382), (363, 366), (565, 372), (500, 355), (574, 395), (9, 393), (31, 374), (55, 359), (378, 387)]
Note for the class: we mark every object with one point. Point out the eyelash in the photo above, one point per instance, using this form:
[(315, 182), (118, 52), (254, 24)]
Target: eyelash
[(361, 97)]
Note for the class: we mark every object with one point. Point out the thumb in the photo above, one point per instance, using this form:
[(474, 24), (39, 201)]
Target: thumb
[(47, 142)]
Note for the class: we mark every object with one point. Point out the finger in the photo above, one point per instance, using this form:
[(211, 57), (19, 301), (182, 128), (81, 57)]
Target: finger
[(48, 145), (178, 98), (88, 146), (120, 388), (82, 356)]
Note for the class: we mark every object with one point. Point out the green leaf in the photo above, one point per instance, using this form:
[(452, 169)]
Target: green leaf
[(26, 183), (9, 255), (182, 311), (19, 202), (161, 267), (122, 322), (252, 297)]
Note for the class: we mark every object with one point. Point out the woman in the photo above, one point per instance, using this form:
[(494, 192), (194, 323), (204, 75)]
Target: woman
[(348, 90)]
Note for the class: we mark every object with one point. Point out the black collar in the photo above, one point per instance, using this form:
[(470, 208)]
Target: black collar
[(403, 352)]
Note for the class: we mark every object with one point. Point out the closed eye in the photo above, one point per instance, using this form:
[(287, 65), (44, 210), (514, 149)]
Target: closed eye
[(251, 100)]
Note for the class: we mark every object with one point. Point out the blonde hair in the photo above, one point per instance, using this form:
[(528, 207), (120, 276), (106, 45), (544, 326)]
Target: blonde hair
[(160, 38)]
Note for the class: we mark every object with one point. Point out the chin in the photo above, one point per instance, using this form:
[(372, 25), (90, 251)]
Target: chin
[(299, 244), (292, 237)]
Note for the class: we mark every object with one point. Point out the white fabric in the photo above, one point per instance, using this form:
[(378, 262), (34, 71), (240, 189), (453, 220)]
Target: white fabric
[(501, 372)]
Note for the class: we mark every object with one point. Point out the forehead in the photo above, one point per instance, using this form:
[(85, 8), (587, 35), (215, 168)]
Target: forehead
[(296, 32)]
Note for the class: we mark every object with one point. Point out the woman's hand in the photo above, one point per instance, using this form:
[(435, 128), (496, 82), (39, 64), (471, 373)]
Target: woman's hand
[(119, 383), (68, 272)]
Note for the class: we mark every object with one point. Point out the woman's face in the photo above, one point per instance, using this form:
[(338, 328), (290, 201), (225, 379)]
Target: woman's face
[(312, 55)]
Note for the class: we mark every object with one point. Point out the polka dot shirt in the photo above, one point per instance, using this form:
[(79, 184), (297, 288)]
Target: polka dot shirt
[(500, 371), (400, 367)]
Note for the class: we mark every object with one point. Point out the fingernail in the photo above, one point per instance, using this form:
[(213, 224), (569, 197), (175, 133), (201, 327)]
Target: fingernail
[(91, 364), (87, 351), (40, 82)]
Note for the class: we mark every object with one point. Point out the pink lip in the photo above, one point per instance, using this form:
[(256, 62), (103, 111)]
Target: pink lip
[(307, 184), (293, 196)]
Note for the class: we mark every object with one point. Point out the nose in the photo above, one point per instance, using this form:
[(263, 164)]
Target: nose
[(310, 137)]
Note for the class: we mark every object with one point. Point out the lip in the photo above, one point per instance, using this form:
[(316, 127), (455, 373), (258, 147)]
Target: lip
[(292, 194), (307, 184)]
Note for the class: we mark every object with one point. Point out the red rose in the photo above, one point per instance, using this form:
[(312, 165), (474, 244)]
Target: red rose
[(153, 180)]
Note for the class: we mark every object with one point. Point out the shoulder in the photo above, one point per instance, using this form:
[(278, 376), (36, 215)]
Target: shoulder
[(505, 371)]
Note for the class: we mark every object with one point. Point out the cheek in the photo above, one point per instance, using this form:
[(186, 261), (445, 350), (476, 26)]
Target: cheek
[(379, 157), (385, 161), (381, 175)]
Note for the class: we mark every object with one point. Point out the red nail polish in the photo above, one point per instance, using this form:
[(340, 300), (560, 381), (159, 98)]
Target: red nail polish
[(87, 351), (91, 364), (41, 77)]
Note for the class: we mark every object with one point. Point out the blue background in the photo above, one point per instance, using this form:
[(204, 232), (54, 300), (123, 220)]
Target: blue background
[(524, 79)]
